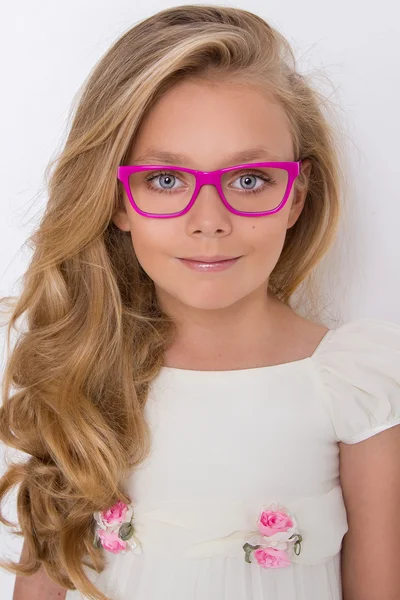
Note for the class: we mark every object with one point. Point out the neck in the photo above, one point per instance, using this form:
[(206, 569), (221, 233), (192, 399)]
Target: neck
[(242, 335)]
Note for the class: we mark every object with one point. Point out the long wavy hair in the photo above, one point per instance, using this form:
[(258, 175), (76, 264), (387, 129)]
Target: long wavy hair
[(95, 336)]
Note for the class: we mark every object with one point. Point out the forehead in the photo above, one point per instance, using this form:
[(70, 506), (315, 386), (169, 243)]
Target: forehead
[(209, 125)]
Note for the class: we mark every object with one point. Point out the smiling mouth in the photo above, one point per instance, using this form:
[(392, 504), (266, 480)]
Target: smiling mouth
[(209, 266)]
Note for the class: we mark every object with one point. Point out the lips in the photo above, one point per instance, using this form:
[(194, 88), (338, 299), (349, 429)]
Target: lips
[(209, 262), (210, 259), (206, 267)]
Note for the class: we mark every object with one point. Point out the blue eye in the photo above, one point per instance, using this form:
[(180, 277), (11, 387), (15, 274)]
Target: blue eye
[(168, 174), (262, 176)]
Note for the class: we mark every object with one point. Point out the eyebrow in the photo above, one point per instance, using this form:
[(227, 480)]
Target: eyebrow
[(174, 158)]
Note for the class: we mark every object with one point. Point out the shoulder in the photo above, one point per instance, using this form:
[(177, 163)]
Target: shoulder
[(358, 367), (358, 343)]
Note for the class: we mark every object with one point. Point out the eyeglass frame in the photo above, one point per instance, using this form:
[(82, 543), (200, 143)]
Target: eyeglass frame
[(209, 178)]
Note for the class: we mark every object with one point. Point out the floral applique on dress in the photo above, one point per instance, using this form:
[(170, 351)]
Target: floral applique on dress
[(115, 530), (277, 539)]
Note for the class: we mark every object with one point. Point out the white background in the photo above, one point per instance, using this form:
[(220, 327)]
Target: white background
[(47, 49)]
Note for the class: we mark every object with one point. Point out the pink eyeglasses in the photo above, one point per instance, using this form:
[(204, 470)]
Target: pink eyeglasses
[(150, 200)]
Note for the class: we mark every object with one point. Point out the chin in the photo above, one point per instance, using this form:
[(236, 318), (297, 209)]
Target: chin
[(209, 297), (209, 301)]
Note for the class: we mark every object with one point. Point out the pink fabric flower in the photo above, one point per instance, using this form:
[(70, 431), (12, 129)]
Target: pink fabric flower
[(271, 558), (111, 542), (116, 514), (274, 521)]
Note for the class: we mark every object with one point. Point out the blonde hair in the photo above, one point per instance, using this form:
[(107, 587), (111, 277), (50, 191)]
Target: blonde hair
[(95, 335)]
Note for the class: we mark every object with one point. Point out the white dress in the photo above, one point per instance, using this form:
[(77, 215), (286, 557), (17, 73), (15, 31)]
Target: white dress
[(226, 443)]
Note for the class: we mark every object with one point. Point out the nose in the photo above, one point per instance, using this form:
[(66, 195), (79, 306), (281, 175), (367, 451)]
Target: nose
[(209, 214)]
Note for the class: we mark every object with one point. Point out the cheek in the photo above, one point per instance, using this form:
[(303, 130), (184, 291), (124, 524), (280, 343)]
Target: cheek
[(268, 237), (266, 243), (153, 243)]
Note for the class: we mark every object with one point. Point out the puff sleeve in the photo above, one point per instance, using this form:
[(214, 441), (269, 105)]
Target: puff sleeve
[(359, 368)]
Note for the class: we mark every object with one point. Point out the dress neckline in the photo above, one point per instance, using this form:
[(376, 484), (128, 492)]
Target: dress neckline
[(254, 370)]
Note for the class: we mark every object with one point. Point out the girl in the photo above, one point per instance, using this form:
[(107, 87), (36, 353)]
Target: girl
[(190, 435)]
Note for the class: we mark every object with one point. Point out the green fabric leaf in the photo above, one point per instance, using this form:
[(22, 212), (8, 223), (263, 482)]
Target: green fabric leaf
[(125, 531)]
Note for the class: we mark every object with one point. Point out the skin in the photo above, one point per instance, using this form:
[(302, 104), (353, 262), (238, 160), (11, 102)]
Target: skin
[(38, 586), (370, 480), (219, 314)]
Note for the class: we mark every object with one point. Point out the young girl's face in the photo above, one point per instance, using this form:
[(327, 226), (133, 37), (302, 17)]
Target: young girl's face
[(206, 123)]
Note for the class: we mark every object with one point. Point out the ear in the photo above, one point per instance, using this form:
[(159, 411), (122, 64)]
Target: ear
[(120, 219), (300, 193)]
